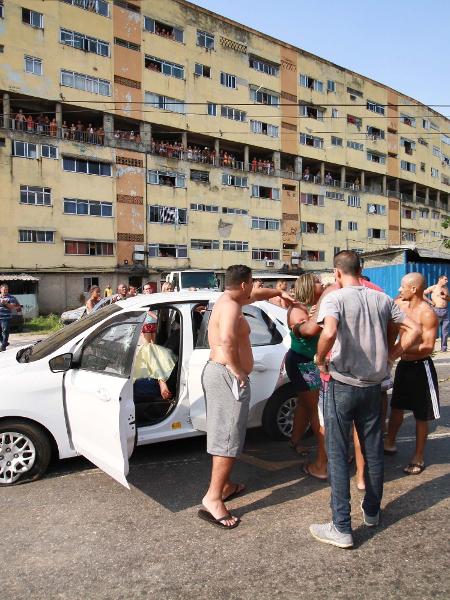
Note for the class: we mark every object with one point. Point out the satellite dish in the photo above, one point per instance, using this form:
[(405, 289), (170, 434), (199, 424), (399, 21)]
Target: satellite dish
[(371, 208)]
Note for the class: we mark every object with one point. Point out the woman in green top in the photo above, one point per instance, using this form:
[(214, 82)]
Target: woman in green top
[(303, 373)]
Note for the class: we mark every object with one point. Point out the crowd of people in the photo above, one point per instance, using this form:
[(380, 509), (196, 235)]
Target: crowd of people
[(328, 179), (345, 338)]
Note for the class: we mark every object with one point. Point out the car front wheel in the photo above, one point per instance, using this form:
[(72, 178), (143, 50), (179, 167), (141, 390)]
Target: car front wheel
[(25, 452), (278, 415)]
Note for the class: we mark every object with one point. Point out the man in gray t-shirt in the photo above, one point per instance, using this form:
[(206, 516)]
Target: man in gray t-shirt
[(355, 328), (360, 352)]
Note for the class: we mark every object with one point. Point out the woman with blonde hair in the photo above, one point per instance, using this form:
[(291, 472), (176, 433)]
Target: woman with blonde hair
[(303, 373)]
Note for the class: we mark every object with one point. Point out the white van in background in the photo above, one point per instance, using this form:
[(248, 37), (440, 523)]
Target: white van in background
[(193, 280)]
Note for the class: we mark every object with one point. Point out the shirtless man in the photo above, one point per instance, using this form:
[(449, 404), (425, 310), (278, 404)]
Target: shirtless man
[(439, 300), (281, 286), (94, 298), (226, 386), (415, 384)]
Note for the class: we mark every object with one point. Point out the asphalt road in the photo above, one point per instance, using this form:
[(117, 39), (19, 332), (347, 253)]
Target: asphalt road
[(77, 534)]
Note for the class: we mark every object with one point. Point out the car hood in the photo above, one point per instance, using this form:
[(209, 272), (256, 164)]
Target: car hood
[(9, 364)]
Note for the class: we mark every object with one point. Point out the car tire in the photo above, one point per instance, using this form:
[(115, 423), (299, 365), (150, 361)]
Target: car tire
[(34, 452), (278, 413)]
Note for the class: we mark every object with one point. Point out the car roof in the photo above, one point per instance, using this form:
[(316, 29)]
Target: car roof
[(168, 297)]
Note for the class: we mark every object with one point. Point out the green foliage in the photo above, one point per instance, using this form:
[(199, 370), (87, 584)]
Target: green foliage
[(446, 225), (41, 324)]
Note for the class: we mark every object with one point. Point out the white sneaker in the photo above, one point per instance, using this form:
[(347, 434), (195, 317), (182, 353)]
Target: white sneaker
[(328, 534)]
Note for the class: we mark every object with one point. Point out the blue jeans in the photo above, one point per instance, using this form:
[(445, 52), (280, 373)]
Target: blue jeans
[(4, 332), (442, 315), (345, 404)]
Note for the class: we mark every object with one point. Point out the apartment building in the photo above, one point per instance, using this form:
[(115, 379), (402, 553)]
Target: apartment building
[(145, 136)]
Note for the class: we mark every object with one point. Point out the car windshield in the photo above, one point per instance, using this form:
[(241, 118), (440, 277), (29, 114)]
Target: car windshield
[(58, 339), (200, 281)]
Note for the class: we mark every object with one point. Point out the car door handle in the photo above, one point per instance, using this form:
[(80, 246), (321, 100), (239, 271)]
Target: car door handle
[(103, 395), (259, 367)]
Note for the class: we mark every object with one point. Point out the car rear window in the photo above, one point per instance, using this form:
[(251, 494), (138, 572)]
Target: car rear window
[(58, 339)]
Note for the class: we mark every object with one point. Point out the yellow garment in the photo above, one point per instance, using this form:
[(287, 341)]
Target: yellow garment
[(154, 362), (107, 292)]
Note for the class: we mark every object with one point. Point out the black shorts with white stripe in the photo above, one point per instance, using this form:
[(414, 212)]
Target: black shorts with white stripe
[(416, 389)]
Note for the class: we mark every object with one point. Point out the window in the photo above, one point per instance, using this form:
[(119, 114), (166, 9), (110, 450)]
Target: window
[(127, 44), (407, 166), (164, 102), (83, 42), (260, 64), (352, 226), (407, 120), (265, 254), (264, 128), (434, 172), (25, 149), (205, 40), (212, 109), (313, 255), (33, 65), (375, 133), (355, 93), (338, 225), (334, 113), (127, 5), (48, 151), (167, 250), (306, 110), (355, 145), (167, 215), (426, 124), (265, 223), (88, 282), (83, 248), (228, 80), (2, 8), (200, 176), (38, 196), (169, 178), (164, 66), (375, 157), (260, 191), (235, 180), (164, 30), (424, 213), (310, 140), (312, 199), (408, 236), (205, 244), (85, 83), (376, 234), (445, 139), (436, 234), (353, 201), (408, 213), (205, 208), (263, 96), (233, 113), (374, 107), (235, 246), (74, 206), (311, 227), (36, 236), (376, 209), (336, 250), (436, 151), (202, 70), (408, 145), (352, 120), (33, 18), (335, 195), (336, 141), (331, 86), (312, 84), (89, 167), (435, 215), (234, 211), (101, 7)]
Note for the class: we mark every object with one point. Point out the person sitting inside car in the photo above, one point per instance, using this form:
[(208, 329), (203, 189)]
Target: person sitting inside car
[(153, 367)]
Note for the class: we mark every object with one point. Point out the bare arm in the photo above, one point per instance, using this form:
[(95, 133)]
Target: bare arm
[(326, 340), (409, 333), (429, 290), (267, 294)]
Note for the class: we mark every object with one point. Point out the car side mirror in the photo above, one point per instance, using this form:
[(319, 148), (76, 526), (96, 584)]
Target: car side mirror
[(61, 363)]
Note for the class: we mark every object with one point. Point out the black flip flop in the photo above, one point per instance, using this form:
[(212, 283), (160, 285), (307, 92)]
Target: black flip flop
[(238, 490), (207, 516), (308, 472), (419, 466)]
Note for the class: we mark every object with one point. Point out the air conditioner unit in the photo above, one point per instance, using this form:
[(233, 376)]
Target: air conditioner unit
[(270, 263)]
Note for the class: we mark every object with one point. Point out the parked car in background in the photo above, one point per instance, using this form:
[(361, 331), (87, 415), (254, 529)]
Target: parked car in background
[(74, 393)]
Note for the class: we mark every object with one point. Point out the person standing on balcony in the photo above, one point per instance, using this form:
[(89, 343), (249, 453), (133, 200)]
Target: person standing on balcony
[(20, 120), (53, 127), (439, 300), (30, 124)]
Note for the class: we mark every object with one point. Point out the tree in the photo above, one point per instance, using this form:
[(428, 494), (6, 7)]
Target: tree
[(446, 225)]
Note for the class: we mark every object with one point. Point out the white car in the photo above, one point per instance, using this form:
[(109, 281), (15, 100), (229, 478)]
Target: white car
[(72, 393)]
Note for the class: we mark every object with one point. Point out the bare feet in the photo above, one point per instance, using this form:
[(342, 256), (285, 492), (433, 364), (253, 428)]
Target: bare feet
[(218, 510)]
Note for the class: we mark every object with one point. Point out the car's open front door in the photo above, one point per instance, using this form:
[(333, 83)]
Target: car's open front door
[(98, 394)]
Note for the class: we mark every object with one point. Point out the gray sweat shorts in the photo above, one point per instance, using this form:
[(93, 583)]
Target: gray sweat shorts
[(227, 408)]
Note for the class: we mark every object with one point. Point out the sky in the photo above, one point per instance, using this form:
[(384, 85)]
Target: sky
[(404, 44)]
